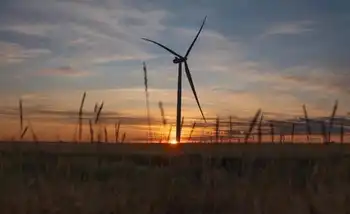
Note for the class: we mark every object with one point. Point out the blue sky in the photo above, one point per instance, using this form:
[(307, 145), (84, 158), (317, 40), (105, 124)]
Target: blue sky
[(274, 55)]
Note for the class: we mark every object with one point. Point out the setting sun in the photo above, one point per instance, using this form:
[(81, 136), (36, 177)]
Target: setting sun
[(173, 142)]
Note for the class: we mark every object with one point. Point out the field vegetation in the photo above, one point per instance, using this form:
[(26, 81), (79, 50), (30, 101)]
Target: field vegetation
[(183, 178)]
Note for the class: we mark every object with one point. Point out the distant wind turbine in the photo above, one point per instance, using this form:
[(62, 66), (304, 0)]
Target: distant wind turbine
[(179, 60)]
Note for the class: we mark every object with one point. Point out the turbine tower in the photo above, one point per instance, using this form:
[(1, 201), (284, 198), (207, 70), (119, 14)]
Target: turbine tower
[(182, 60)]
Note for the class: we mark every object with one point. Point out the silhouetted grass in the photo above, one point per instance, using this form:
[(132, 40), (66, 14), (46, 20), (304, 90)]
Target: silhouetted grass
[(169, 133), (334, 111), (307, 122), (147, 101), (117, 128), (81, 116), (217, 129), (24, 132), (191, 132), (91, 131), (21, 115), (259, 129), (272, 132), (128, 182), (98, 113), (293, 132), (123, 138), (252, 124)]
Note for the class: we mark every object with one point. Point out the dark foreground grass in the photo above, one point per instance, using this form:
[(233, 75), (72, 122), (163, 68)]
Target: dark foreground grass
[(37, 181)]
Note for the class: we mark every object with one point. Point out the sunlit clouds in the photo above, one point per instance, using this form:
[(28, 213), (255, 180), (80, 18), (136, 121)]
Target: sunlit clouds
[(247, 57)]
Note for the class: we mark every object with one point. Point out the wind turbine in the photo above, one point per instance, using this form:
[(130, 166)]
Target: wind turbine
[(179, 60)]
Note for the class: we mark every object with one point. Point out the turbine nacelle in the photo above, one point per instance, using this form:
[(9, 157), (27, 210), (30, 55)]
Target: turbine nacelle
[(178, 60)]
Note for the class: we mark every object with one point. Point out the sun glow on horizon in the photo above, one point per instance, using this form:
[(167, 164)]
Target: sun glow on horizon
[(173, 142)]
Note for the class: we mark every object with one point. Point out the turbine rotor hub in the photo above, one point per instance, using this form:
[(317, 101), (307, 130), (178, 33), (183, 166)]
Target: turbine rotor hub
[(178, 60)]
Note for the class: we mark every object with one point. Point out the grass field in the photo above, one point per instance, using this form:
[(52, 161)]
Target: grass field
[(183, 178)]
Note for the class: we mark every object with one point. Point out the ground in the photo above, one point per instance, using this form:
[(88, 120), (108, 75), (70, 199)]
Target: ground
[(133, 178)]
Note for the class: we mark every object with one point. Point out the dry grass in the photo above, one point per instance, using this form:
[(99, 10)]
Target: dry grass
[(21, 115), (191, 132), (81, 116), (106, 135), (147, 101), (293, 132), (169, 133), (91, 131), (259, 129), (117, 128), (164, 121), (35, 137), (252, 125), (125, 181), (272, 132), (98, 111), (308, 126), (24, 132), (217, 129), (162, 114), (332, 120), (123, 138)]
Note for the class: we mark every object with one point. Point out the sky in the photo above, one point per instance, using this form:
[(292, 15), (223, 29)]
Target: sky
[(274, 55)]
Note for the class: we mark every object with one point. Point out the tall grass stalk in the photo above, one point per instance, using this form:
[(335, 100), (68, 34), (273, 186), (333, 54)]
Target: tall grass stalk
[(230, 129), (95, 108), (164, 122), (342, 132), (21, 115), (106, 134), (35, 137), (147, 102), (98, 114), (24, 132), (162, 114), (91, 131), (169, 133), (217, 129), (191, 132), (324, 131), (252, 125), (81, 116), (293, 133), (99, 135), (259, 129), (75, 134), (123, 138), (117, 128), (334, 111), (308, 127), (272, 132)]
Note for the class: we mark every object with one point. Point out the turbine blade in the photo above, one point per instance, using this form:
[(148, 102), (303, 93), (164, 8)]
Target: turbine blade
[(195, 39), (189, 77), (163, 46)]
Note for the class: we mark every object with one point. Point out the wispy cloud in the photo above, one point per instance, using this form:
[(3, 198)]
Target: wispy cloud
[(82, 32), (32, 29), (289, 28), (119, 57), (63, 71), (312, 78), (13, 53)]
